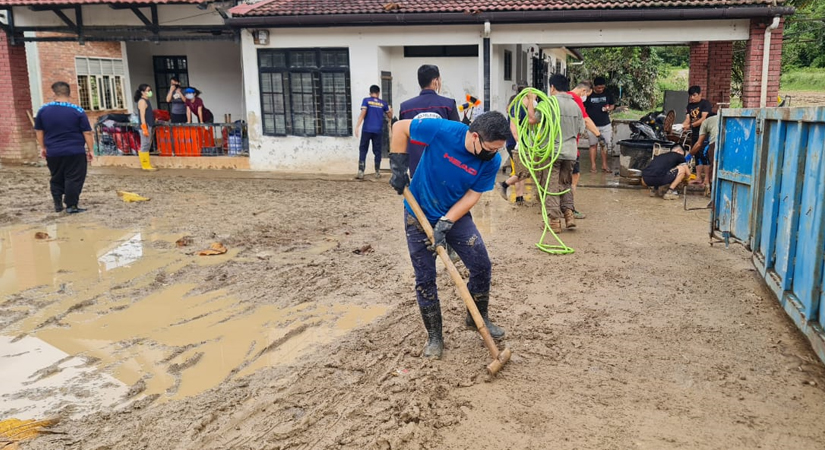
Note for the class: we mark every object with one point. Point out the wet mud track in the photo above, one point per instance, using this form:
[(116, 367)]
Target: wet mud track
[(646, 337)]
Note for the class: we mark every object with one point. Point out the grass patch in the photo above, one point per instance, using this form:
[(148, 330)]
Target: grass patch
[(804, 80)]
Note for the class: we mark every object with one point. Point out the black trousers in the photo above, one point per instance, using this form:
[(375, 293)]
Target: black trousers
[(68, 176)]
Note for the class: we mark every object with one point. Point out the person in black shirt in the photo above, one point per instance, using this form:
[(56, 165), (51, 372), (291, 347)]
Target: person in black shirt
[(666, 171), (698, 109), (598, 106)]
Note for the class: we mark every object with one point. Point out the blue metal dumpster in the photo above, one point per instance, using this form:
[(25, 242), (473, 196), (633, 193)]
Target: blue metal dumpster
[(769, 192)]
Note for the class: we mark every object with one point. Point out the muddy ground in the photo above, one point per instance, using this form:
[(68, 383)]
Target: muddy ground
[(647, 337)]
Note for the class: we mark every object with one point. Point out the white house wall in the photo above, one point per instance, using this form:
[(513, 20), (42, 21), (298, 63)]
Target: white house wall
[(458, 75), (371, 50), (621, 33), (214, 68)]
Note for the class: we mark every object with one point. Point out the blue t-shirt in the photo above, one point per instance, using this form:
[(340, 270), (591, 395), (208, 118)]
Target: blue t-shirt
[(374, 120), (62, 125), (446, 170), (522, 114)]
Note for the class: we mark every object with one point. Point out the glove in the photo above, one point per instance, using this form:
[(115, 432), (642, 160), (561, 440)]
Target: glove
[(145, 129), (601, 140), (399, 163), (440, 230), (688, 157)]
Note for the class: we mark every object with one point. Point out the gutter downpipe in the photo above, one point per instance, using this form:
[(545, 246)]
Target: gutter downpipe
[(766, 55), (486, 53)]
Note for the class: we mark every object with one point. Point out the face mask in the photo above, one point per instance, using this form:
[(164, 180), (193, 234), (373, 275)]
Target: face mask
[(148, 94), (190, 96), (484, 155), (584, 98)]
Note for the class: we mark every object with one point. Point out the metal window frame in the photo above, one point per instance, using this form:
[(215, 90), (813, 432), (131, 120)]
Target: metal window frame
[(319, 99), (102, 104), (158, 74)]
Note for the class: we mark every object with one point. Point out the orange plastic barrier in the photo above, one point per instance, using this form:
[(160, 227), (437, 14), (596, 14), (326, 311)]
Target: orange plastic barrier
[(183, 141)]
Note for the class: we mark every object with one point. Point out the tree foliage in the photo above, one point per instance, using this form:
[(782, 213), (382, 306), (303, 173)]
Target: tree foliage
[(804, 37), (631, 73)]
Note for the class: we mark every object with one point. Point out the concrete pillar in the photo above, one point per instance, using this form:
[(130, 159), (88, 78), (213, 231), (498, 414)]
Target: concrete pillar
[(17, 142), (720, 57), (698, 71), (752, 75)]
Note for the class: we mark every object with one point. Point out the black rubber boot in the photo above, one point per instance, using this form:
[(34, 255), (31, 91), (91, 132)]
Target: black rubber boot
[(482, 301), (58, 203), (432, 321)]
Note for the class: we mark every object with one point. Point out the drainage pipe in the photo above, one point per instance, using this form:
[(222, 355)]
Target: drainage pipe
[(486, 52), (766, 56)]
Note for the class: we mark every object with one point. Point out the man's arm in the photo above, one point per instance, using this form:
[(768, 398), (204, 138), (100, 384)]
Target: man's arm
[(699, 144), (169, 94), (90, 144), (588, 123), (360, 120), (686, 123), (532, 119), (699, 121), (400, 136), (463, 205), (39, 136)]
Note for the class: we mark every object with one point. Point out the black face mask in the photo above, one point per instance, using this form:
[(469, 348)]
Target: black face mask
[(484, 155)]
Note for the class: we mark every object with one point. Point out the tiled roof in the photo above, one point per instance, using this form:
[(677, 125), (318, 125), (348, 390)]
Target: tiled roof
[(92, 2), (327, 7)]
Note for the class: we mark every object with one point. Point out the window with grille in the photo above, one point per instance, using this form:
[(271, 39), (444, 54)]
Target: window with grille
[(305, 92), (100, 83), (166, 68)]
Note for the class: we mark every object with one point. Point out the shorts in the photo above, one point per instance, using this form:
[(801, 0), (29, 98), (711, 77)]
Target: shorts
[(662, 180), (519, 169), (702, 157), (607, 133)]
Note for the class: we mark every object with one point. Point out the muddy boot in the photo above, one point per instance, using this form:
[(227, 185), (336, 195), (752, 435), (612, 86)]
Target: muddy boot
[(377, 174), (432, 321), (482, 301), (360, 175), (555, 225), (569, 219), (145, 164)]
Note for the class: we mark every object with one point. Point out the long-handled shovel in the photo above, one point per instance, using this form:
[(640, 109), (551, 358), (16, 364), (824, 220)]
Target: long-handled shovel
[(500, 358)]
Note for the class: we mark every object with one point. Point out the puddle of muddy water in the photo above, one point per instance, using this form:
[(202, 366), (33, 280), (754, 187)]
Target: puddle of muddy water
[(174, 341)]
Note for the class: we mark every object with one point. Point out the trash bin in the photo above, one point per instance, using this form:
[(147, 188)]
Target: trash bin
[(634, 155)]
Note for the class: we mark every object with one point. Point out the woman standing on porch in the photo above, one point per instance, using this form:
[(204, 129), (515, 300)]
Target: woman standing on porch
[(146, 118), (177, 106)]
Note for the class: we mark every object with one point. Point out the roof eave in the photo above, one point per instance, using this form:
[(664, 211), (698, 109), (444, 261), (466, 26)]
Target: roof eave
[(503, 17)]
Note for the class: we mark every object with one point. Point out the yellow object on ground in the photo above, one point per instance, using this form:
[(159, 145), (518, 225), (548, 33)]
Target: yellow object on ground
[(130, 197), (12, 431), (144, 161), (215, 249)]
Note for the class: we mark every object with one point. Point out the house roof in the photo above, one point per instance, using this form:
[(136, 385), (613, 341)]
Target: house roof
[(387, 7), (92, 2)]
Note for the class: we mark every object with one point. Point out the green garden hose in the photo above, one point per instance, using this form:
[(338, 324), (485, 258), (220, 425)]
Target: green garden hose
[(538, 148)]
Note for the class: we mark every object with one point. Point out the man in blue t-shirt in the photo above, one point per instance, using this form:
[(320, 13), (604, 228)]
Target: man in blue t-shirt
[(429, 104), (373, 110), (457, 165), (65, 140)]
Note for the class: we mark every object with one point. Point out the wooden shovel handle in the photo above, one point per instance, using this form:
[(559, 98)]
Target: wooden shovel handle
[(459, 282)]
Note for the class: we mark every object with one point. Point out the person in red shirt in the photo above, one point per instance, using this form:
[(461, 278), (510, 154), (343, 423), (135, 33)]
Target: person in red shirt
[(196, 108), (579, 93)]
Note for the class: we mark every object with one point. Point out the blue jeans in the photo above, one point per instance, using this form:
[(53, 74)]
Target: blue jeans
[(365, 145), (465, 239)]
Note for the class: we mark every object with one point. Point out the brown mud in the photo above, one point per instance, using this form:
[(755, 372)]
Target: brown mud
[(305, 335)]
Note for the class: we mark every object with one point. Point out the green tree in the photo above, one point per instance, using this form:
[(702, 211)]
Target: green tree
[(631, 72), (804, 37)]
